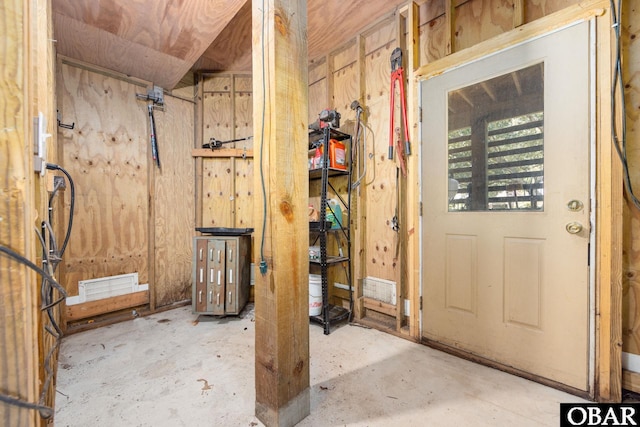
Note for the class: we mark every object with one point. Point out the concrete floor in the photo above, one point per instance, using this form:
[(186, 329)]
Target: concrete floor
[(177, 369)]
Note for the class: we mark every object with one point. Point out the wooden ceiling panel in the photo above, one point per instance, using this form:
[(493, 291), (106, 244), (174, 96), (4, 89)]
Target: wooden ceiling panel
[(161, 28), (333, 22), (231, 51), (162, 40)]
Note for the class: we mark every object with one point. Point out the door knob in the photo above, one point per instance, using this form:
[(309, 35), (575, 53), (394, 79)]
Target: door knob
[(574, 227), (575, 205)]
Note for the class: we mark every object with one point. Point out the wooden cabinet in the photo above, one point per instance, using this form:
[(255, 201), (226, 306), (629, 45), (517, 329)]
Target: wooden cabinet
[(221, 274)]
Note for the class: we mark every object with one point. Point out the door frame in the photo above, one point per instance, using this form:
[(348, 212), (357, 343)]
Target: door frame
[(606, 256)]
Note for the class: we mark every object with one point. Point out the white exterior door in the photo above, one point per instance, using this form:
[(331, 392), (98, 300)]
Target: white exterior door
[(506, 199)]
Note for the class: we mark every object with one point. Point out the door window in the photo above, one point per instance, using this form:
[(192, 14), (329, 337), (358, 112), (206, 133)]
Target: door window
[(496, 143)]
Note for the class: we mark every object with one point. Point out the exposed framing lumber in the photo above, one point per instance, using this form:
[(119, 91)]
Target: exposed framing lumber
[(280, 83), (450, 33), (413, 190), (518, 13), (222, 152), (583, 11), (609, 229), (107, 305)]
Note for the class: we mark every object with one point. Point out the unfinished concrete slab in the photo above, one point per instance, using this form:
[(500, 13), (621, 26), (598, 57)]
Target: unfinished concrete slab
[(179, 369)]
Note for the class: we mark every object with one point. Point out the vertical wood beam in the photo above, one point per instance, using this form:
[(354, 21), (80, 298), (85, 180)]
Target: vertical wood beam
[(198, 131), (450, 33), (413, 174), (359, 196), (518, 13), (280, 87), (19, 358), (608, 381)]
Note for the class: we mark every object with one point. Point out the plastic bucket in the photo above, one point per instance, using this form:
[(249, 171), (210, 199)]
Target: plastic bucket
[(315, 294)]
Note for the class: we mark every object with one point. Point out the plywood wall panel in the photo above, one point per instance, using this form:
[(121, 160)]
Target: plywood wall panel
[(107, 156), (243, 119), (345, 83), (317, 70), (380, 179), (536, 9), (433, 39), (174, 209), (317, 99), (217, 193), (217, 116), (216, 83), (244, 193), (345, 56), (480, 20), (243, 83), (382, 36)]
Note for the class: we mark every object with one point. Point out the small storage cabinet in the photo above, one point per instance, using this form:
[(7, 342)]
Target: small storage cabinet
[(221, 274)]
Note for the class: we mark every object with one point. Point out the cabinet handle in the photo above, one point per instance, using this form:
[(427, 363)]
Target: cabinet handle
[(230, 255), (230, 276), (219, 277), (201, 274), (229, 299), (218, 298), (211, 254), (211, 275), (200, 254), (218, 256), (210, 296), (200, 296)]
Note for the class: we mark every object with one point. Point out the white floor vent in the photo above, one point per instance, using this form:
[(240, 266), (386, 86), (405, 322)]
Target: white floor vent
[(106, 287), (379, 289)]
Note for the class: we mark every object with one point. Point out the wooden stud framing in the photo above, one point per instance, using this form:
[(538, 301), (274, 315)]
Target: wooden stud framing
[(413, 180), (280, 85), (608, 230), (450, 16), (518, 13)]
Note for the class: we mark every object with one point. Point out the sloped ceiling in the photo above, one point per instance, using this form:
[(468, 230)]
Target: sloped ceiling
[(162, 40)]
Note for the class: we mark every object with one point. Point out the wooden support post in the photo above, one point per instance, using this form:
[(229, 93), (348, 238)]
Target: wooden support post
[(19, 315), (280, 87)]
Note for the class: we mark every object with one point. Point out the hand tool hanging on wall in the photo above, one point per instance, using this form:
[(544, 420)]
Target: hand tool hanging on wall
[(397, 75), (154, 140), (156, 96), (400, 151), (214, 143), (359, 154), (395, 222)]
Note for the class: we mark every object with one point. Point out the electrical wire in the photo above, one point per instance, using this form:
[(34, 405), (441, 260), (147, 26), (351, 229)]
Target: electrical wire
[(263, 262), (617, 87), (51, 257), (52, 166), (45, 411)]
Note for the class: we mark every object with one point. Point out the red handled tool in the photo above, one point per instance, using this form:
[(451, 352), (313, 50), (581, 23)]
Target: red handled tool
[(397, 75)]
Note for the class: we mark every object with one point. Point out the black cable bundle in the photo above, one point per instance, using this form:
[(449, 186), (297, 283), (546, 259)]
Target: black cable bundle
[(51, 257)]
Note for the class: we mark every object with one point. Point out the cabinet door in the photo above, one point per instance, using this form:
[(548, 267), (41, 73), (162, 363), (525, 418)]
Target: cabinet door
[(216, 265), (200, 293), (231, 291)]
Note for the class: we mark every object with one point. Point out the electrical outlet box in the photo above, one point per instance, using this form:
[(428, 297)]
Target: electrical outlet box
[(59, 183)]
